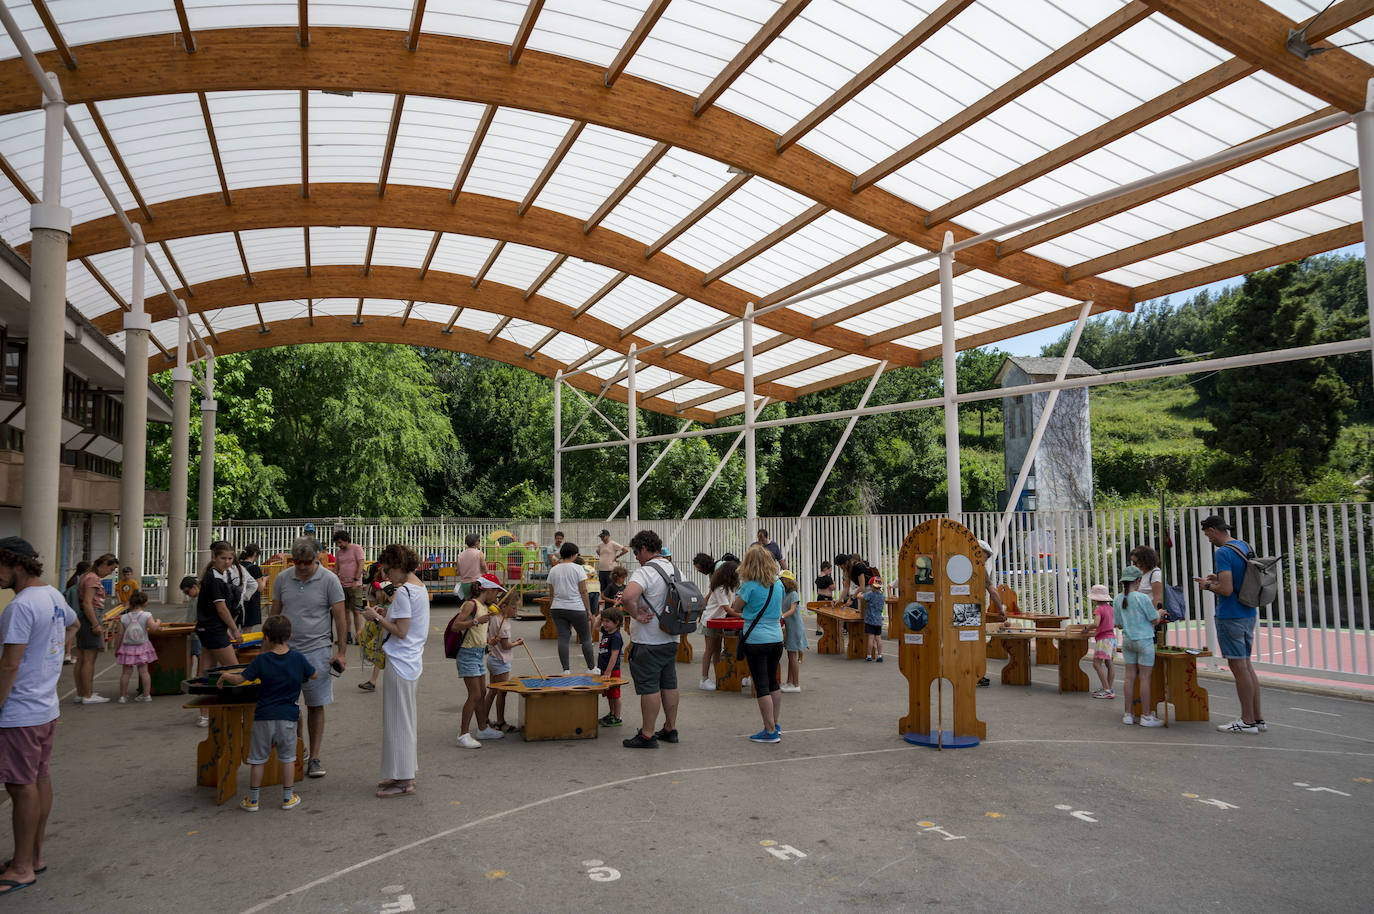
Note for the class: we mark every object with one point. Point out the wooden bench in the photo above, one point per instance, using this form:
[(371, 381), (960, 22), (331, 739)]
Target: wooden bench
[(835, 622), (1016, 643)]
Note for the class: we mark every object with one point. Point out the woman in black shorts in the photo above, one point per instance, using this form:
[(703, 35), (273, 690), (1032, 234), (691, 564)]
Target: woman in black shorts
[(760, 598)]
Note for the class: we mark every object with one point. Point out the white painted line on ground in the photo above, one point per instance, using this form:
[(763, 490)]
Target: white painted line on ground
[(535, 804), (72, 691), (1310, 711)]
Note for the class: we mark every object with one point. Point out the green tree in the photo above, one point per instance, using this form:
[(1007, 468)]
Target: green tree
[(1275, 424), (976, 369)]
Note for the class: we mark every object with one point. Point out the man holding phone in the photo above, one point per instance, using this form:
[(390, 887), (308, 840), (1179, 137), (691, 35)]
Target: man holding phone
[(311, 596), (1235, 622)]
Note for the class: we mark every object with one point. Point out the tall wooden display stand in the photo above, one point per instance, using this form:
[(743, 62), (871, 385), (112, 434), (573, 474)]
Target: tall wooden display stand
[(941, 567)]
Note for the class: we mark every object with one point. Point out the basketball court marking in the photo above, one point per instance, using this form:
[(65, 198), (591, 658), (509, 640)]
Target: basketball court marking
[(1310, 711), (546, 801)]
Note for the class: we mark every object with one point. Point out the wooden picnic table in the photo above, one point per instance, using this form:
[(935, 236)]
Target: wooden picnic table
[(1046, 653), (836, 621), (1073, 647), (1016, 643)]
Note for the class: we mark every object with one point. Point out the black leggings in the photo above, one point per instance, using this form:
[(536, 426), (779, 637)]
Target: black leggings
[(763, 660), (569, 621)]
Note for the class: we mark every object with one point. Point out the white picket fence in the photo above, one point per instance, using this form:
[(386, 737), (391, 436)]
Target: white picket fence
[(1319, 626)]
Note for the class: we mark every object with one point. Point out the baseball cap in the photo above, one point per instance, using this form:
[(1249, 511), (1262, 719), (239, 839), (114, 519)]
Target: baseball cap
[(604, 532), (309, 528), (875, 580), (1215, 522), (19, 546), (489, 582), (1130, 573)]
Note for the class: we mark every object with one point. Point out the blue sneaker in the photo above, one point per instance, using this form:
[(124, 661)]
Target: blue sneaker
[(766, 736), (777, 731)]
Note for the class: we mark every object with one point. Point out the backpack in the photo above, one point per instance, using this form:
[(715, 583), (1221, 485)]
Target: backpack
[(682, 604), (135, 628), (1175, 606), (453, 639), (1261, 584)]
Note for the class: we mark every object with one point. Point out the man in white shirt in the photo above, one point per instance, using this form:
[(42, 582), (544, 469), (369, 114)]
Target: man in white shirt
[(653, 652), (33, 630)]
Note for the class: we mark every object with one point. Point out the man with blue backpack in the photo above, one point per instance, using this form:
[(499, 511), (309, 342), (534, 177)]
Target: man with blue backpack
[(1235, 622)]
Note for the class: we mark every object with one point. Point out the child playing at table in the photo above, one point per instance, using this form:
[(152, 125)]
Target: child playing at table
[(1136, 617), (127, 585), (611, 594), (133, 650), (499, 649), (875, 601), (281, 672), (1104, 640), (724, 583), (794, 631), (608, 660)]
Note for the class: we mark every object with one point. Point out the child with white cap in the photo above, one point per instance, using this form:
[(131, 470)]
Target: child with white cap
[(1104, 639)]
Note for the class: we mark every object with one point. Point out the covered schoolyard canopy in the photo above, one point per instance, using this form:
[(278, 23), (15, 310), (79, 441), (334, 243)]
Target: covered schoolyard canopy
[(550, 182)]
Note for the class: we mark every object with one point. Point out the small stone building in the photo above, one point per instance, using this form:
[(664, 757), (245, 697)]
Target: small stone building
[(1063, 468)]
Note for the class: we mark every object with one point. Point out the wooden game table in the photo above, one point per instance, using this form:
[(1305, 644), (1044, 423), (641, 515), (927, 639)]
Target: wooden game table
[(1046, 653), (1016, 643), (1175, 680), (836, 621), (226, 744), (172, 641), (1072, 649), (549, 630), (559, 707)]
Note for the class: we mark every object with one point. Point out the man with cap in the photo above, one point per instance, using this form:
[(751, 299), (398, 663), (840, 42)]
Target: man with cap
[(1235, 622), (606, 555), (33, 630)]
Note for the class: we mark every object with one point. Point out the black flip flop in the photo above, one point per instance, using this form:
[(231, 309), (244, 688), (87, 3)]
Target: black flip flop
[(14, 886), (6, 865)]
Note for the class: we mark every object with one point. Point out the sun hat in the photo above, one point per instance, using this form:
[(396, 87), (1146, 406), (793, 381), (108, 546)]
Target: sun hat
[(489, 582), (1099, 592), (1131, 573), (787, 574)]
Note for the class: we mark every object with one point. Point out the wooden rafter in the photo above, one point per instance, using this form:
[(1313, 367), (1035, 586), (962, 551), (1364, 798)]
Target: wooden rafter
[(641, 31), (14, 178), (869, 74), (1274, 207), (303, 23), (427, 209), (358, 314), (634, 177), (419, 333), (1248, 263), (417, 18), (786, 230), (429, 254), (886, 297), (600, 293), (693, 403), (55, 33), (310, 311), (371, 246), (491, 259), (805, 364), (446, 67), (522, 34), (188, 38), (1091, 214), (262, 324), (205, 322), (118, 159), (306, 232), (545, 275), (480, 134), (305, 144), (674, 384), (543, 341), (768, 345), (591, 354), (696, 215), (649, 317), (176, 268), (405, 315), (1110, 27), (243, 258), (551, 166), (452, 319), (789, 10), (998, 334), (397, 107), (500, 325), (968, 309), (99, 277), (214, 147)]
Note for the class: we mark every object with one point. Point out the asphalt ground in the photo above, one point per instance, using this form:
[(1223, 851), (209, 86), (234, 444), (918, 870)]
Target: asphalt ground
[(1061, 808)]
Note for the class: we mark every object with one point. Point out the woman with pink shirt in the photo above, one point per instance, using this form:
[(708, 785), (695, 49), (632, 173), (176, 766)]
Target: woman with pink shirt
[(90, 637), (348, 565), (471, 565)]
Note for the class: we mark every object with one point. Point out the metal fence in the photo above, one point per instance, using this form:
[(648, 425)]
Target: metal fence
[(1320, 624)]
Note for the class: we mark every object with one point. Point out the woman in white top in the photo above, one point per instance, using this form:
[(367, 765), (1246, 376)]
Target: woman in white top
[(1151, 582), (571, 609), (406, 622), (724, 583)]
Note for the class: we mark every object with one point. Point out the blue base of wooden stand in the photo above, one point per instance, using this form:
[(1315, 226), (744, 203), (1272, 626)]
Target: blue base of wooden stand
[(941, 739)]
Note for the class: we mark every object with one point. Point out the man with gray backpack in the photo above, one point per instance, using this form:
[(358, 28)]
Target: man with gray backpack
[(1235, 621)]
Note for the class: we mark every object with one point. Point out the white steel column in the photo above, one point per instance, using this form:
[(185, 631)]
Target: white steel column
[(208, 408), (751, 495), (181, 446), (135, 464), (952, 478), (632, 401), (51, 227), (558, 448), (1364, 141)]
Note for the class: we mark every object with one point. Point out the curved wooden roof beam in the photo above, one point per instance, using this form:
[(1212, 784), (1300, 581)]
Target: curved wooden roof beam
[(449, 289), (341, 329), (405, 206), (371, 60)]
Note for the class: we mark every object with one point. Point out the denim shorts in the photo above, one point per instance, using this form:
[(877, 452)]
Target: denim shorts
[(1236, 637), (497, 667), (470, 661), (1141, 653)]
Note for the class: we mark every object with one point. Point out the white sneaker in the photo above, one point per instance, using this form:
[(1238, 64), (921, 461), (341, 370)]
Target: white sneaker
[(95, 699), (466, 741), (490, 733), (123, 700), (744, 683), (1149, 720), (707, 685), (1127, 719), (202, 722), (566, 673), (789, 688), (144, 698), (593, 672)]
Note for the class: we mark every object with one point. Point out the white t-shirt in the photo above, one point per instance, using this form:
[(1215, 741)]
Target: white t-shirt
[(716, 603), (563, 581), (655, 590), (405, 654), (1146, 583), (37, 618)]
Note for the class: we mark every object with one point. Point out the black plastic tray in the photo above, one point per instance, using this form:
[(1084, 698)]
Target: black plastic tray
[(208, 685)]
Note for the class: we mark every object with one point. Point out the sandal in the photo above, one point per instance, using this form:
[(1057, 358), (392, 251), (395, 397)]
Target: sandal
[(508, 728), (389, 782), (396, 790)]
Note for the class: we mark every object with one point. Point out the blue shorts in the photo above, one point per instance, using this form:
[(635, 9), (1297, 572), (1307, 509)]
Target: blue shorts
[(1141, 653), (470, 661), (1236, 637), (496, 667)]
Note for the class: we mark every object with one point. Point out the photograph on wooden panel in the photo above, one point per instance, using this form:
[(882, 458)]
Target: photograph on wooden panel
[(925, 570), (966, 615)]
